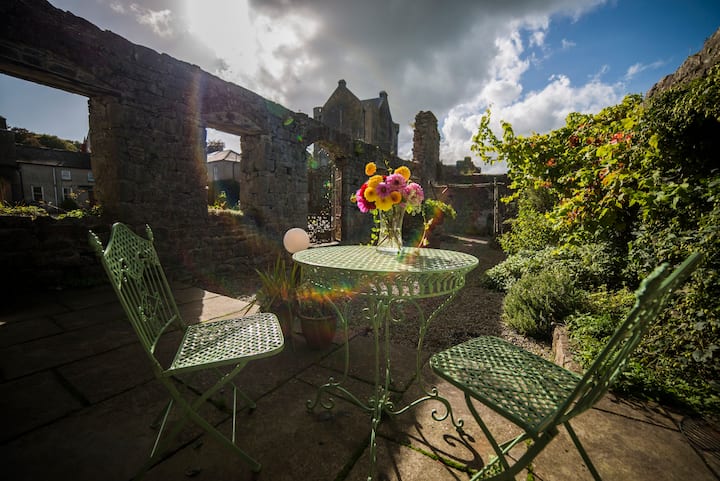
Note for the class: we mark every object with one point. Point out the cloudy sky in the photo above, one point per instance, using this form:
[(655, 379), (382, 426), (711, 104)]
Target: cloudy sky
[(530, 61)]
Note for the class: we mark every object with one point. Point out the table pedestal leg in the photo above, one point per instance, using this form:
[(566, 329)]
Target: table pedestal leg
[(379, 314)]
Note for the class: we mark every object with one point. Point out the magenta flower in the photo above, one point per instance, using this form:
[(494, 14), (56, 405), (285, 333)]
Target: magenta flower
[(396, 182), (383, 190)]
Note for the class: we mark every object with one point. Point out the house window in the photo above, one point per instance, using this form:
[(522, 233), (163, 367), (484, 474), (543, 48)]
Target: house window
[(66, 192), (216, 173), (65, 175), (91, 177), (37, 193)]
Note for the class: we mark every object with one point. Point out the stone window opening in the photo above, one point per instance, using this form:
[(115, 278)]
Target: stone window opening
[(224, 165)]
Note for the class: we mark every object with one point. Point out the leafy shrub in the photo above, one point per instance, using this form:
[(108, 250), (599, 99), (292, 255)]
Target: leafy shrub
[(589, 331), (538, 300), (591, 265), (22, 210)]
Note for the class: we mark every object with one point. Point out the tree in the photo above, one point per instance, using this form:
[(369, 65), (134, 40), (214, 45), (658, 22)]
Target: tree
[(25, 137), (214, 146)]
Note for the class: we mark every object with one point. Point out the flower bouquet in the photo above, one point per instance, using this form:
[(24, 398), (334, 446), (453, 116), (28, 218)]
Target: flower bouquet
[(388, 197)]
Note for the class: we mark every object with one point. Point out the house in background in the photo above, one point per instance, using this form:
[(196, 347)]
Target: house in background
[(35, 175), (368, 120), (223, 175)]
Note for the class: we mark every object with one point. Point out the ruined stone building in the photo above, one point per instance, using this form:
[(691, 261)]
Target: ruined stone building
[(367, 120)]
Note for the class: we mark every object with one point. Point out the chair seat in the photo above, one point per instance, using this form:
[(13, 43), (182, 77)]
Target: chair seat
[(215, 343), (516, 383)]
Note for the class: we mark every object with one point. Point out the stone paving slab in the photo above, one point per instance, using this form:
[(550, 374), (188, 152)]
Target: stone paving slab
[(290, 442), (108, 374), (22, 308), (397, 462), (362, 362), (33, 401), (28, 330), (621, 451), (91, 316), (107, 441), (29, 357)]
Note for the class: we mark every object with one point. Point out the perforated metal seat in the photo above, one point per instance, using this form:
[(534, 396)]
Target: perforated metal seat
[(538, 395), (133, 267)]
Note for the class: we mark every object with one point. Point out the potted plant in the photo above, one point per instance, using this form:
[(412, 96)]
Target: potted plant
[(278, 294), (318, 319)]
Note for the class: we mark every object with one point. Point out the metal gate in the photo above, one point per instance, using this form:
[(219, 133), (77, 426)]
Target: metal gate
[(321, 197)]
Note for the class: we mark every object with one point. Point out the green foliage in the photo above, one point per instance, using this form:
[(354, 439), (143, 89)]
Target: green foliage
[(224, 194), (640, 179), (220, 201), (590, 265), (531, 229), (278, 285), (215, 145), (20, 210), (36, 211), (538, 300), (591, 329), (25, 137), (433, 209)]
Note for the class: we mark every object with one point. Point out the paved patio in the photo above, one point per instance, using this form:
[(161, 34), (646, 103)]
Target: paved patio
[(77, 398)]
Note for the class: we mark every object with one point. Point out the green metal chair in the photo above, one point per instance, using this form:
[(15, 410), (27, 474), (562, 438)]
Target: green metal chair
[(536, 394), (139, 281)]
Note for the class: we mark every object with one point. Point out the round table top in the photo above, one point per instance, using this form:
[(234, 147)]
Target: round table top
[(412, 273), (370, 259)]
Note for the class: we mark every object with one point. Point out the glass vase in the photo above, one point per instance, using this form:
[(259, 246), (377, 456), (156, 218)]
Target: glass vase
[(390, 233)]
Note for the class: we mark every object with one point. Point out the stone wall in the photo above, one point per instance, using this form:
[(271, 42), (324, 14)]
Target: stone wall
[(426, 146), (475, 198), (47, 253)]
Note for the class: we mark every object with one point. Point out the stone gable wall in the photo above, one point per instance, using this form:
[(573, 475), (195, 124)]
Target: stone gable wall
[(695, 66)]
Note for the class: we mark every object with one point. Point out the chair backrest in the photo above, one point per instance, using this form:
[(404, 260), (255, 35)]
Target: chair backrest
[(137, 277), (650, 299)]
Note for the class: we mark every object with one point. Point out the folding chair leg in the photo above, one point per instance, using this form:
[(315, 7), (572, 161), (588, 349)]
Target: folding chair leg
[(581, 450), (190, 414), (501, 450)]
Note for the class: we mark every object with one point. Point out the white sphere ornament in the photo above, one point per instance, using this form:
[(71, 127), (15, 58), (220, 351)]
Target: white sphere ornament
[(296, 240)]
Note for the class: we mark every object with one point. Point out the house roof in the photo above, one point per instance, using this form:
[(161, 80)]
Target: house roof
[(52, 157), (229, 155)]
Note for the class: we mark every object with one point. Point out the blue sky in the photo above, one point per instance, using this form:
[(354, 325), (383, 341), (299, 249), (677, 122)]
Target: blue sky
[(531, 62)]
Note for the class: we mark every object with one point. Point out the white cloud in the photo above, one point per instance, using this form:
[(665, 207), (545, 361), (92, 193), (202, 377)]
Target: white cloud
[(597, 76), (637, 68), (566, 44), (536, 111), (454, 60), (159, 20)]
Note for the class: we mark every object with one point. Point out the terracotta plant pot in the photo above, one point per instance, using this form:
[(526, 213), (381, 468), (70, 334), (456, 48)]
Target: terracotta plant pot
[(319, 331)]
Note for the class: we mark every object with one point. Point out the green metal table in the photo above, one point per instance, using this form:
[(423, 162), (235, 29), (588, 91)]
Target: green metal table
[(390, 285)]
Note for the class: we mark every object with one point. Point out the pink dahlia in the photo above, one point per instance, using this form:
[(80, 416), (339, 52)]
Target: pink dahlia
[(396, 182)]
